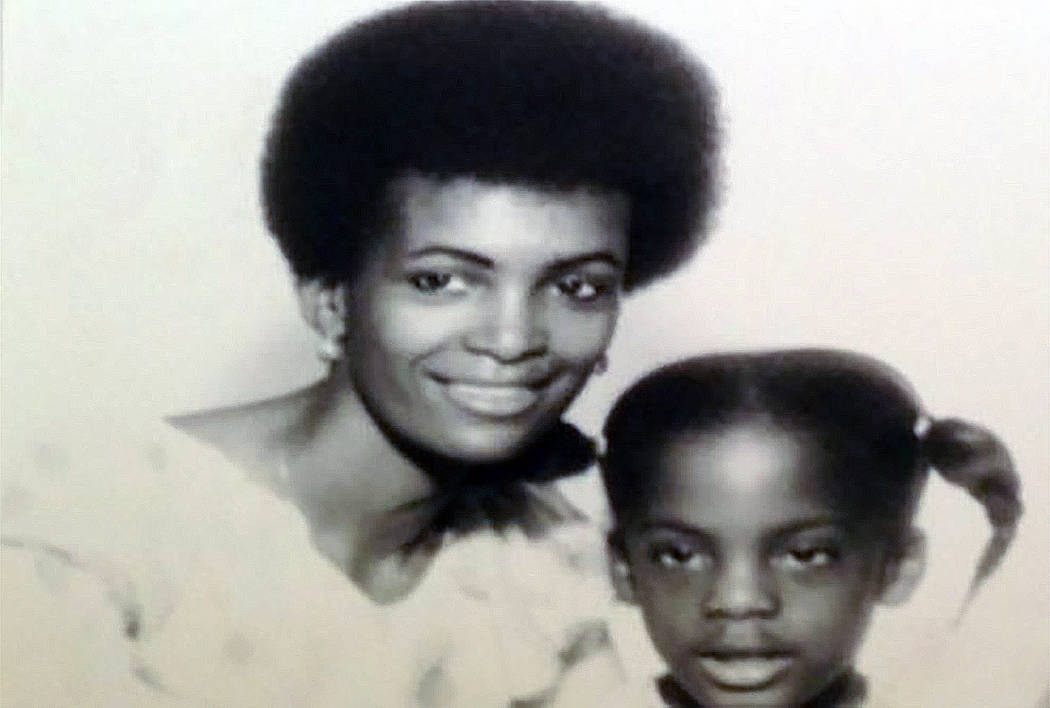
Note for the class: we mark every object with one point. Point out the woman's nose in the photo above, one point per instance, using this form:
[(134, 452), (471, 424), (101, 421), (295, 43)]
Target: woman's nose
[(510, 327), (741, 590)]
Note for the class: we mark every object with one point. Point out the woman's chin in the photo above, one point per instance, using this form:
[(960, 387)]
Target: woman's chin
[(482, 447)]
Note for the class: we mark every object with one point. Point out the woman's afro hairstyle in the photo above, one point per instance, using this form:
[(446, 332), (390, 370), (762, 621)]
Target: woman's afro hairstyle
[(863, 411), (553, 94)]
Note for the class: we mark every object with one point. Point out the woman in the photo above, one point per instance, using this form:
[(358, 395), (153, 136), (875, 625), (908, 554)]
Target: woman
[(462, 191)]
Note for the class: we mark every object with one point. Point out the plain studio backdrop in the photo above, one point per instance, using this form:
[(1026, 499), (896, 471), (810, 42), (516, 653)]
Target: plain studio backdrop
[(886, 190)]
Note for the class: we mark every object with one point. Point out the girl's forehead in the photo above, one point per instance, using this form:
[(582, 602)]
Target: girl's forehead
[(746, 471)]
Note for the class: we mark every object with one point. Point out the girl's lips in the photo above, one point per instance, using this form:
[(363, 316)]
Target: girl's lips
[(744, 672), (492, 400)]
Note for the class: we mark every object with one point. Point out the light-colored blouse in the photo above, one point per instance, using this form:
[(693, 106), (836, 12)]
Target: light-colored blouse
[(156, 573)]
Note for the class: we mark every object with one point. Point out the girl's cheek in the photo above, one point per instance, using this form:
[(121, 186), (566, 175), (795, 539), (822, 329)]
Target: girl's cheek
[(677, 594)]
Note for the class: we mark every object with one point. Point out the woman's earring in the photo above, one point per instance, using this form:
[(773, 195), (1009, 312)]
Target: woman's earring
[(601, 366), (623, 583), (329, 350)]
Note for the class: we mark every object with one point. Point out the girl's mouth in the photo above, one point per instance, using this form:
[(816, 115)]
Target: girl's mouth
[(745, 671)]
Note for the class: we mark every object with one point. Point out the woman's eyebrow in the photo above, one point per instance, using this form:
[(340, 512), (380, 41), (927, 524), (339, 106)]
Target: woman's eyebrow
[(452, 252), (585, 258), (558, 265)]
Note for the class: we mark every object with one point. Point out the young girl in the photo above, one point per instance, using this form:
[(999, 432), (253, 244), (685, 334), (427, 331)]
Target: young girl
[(763, 504)]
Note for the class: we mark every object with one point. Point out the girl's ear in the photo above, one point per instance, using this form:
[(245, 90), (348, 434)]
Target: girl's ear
[(323, 307), (619, 570), (904, 570)]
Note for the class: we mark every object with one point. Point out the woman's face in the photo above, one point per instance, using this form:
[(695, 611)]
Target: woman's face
[(480, 318)]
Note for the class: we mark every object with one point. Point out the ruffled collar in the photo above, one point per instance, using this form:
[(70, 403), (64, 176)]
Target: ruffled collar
[(504, 494), (846, 691)]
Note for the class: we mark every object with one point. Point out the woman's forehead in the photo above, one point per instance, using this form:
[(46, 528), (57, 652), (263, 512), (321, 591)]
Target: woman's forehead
[(511, 219)]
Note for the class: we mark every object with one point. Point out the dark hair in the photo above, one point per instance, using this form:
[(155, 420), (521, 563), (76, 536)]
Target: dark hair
[(554, 94), (862, 411)]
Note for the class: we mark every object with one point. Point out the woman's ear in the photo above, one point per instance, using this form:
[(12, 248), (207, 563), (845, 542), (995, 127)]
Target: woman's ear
[(619, 570), (904, 570), (323, 307)]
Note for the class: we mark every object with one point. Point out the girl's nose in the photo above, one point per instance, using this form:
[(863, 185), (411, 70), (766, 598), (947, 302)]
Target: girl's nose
[(509, 328), (742, 590)]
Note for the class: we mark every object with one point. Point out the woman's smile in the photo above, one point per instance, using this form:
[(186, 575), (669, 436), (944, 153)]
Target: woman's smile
[(495, 393), (492, 400)]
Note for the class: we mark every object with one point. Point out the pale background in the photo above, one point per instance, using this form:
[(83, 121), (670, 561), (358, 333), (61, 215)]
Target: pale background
[(887, 190)]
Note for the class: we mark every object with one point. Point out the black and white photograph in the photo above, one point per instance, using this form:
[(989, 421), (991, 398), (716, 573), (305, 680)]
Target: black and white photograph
[(525, 354)]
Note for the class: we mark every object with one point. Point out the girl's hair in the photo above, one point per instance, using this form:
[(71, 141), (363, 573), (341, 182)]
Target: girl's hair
[(862, 411), (553, 94)]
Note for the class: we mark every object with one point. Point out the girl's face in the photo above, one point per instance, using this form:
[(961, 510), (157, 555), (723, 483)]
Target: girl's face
[(755, 589), (480, 319)]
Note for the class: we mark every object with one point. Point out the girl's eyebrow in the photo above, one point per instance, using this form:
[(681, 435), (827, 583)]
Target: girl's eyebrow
[(816, 522), (676, 527), (795, 526)]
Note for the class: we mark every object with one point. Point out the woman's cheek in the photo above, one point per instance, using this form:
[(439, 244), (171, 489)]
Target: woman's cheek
[(410, 328), (582, 336)]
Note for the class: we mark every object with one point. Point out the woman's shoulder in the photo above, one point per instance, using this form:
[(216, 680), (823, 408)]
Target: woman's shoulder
[(149, 558), (133, 500), (250, 435)]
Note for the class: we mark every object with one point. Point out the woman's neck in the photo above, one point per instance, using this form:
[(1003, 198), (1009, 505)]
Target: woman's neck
[(337, 458), (319, 448), (376, 505), (358, 492)]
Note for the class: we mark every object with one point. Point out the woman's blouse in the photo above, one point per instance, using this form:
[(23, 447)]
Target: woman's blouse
[(157, 573)]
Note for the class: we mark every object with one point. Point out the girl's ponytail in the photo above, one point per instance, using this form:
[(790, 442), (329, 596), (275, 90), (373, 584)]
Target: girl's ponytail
[(975, 459)]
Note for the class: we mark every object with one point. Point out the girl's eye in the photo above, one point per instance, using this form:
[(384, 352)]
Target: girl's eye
[(581, 288), (437, 282), (678, 557)]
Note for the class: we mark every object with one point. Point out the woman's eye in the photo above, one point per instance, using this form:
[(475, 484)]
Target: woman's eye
[(678, 557), (580, 288), (815, 557), (436, 281)]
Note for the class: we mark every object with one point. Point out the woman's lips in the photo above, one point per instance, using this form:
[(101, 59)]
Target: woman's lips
[(743, 671), (492, 400)]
